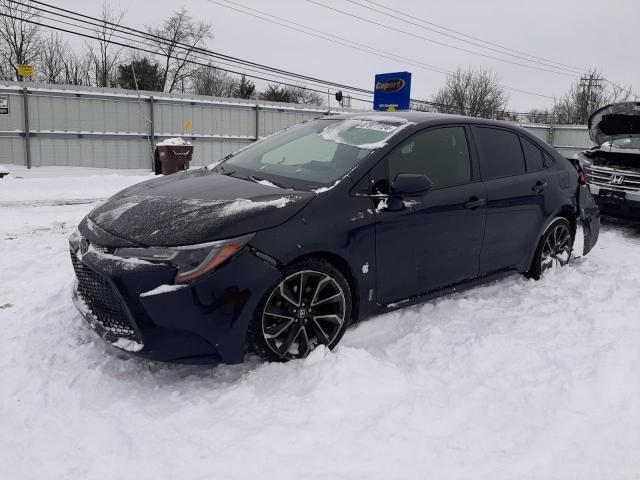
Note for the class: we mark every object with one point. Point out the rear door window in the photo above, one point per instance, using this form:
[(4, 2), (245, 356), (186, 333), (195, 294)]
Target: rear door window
[(500, 152), (442, 154), (532, 155)]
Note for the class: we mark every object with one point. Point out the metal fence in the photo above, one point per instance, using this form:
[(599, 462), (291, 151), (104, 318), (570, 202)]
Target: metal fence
[(113, 128), (567, 139)]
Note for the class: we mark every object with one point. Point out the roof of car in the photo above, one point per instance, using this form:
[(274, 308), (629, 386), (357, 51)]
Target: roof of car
[(421, 118)]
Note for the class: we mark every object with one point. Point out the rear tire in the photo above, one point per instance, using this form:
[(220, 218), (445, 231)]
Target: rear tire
[(310, 306), (554, 248)]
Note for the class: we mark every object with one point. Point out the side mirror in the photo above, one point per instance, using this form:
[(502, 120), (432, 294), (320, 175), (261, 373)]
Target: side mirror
[(411, 185)]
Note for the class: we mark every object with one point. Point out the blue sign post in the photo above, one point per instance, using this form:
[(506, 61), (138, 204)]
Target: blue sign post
[(392, 91)]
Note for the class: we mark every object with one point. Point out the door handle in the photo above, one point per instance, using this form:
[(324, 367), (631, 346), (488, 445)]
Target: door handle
[(539, 187), (475, 202)]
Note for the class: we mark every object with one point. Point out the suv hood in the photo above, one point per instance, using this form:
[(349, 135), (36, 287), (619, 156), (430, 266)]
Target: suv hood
[(190, 208), (614, 121)]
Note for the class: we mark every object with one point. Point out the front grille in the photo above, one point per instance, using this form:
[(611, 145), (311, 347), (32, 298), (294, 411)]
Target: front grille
[(103, 301), (614, 179)]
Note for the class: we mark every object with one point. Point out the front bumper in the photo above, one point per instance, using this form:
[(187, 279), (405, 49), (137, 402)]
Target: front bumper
[(627, 207), (205, 321)]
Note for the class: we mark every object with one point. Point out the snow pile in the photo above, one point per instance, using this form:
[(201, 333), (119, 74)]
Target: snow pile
[(326, 189), (242, 205), (267, 183), (65, 185), (513, 380), (173, 142), (163, 289)]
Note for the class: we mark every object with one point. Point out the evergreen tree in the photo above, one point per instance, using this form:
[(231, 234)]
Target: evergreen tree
[(274, 93), (246, 89), (147, 74)]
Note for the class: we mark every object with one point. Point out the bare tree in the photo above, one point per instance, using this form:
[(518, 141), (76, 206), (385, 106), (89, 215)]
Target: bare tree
[(305, 96), (104, 55), (536, 115), (214, 82), (51, 64), (19, 39), (287, 94), (179, 36), (472, 92), (77, 68)]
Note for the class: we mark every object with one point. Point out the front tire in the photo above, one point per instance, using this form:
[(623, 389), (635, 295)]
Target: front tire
[(310, 306), (554, 248)]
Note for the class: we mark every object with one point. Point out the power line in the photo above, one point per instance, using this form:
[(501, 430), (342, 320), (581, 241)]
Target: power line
[(561, 66), (190, 48), (145, 42), (245, 63), (415, 35), (367, 92), (526, 59), (444, 71), (375, 51), (387, 8), (154, 53)]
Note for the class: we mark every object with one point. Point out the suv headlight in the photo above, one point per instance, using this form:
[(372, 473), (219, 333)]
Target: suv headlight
[(192, 261)]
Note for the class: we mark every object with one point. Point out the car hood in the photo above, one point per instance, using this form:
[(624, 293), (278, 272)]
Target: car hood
[(189, 208), (614, 121)]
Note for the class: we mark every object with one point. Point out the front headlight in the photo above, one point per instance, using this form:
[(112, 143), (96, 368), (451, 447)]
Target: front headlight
[(192, 261)]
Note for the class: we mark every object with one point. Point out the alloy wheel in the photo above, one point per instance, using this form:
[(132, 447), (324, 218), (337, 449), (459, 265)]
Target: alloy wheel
[(556, 250), (306, 309)]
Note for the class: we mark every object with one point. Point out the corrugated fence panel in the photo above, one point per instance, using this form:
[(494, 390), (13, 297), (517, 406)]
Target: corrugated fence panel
[(111, 128), (272, 121), (12, 150), (14, 121), (207, 151), (540, 131), (571, 137), (90, 152)]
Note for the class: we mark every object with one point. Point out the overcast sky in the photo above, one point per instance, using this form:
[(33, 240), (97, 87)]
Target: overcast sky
[(579, 33)]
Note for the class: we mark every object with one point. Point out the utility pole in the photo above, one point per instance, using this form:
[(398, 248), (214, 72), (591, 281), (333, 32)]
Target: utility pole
[(591, 86)]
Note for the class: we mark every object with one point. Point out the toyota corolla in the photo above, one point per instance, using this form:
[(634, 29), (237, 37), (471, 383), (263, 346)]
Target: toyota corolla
[(283, 245)]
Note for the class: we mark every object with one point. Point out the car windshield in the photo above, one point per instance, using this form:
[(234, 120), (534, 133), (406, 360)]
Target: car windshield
[(318, 152), (632, 142)]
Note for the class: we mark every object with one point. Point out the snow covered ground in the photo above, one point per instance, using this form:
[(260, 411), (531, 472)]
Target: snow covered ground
[(514, 380)]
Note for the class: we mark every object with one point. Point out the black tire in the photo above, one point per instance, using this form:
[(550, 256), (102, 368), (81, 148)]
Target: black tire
[(554, 248), (318, 313)]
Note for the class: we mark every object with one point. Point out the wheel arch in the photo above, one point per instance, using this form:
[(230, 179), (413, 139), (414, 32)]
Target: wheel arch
[(567, 212), (344, 268)]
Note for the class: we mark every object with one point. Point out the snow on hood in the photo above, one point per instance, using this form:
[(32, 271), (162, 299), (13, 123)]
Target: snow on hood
[(614, 121), (369, 132), (194, 207)]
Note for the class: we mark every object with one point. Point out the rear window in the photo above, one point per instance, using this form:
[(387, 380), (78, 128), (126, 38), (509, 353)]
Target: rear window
[(500, 152), (532, 156)]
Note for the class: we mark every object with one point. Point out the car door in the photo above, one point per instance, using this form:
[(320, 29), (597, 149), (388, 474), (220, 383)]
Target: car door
[(516, 187), (427, 242)]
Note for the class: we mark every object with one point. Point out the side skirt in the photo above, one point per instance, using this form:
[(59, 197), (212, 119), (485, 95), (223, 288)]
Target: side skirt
[(457, 288)]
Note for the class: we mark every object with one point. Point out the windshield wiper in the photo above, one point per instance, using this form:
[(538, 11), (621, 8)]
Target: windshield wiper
[(253, 178), (223, 171)]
